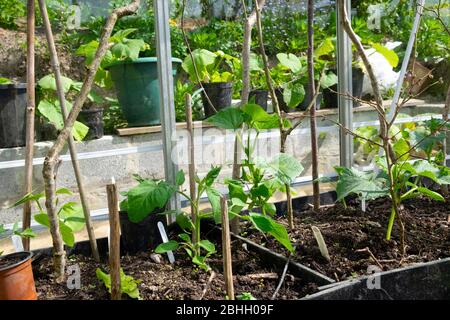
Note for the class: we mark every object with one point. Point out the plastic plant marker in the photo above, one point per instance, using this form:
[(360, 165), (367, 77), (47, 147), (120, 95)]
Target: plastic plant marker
[(17, 243), (363, 204), (321, 243), (165, 239)]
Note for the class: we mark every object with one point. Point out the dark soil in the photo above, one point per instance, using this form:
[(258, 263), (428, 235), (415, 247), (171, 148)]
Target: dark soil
[(181, 281), (352, 236), (9, 261)]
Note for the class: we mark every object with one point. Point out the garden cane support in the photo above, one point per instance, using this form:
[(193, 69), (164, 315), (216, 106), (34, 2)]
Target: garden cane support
[(114, 236), (31, 108), (226, 249)]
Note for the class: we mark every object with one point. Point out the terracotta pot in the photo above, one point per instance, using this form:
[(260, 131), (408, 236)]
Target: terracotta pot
[(16, 277)]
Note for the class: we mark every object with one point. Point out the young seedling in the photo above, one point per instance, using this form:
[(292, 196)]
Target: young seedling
[(71, 216)]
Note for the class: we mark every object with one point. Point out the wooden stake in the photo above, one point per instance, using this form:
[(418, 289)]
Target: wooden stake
[(73, 152), (114, 242), (31, 107), (226, 249), (191, 151), (312, 94)]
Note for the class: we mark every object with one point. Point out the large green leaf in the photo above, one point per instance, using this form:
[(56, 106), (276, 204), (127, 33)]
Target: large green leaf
[(293, 94), (284, 167), (329, 79), (203, 59), (229, 118), (73, 216), (212, 175), (326, 47), (146, 197), (259, 119), (79, 131), (364, 184), (208, 246), (268, 225), (66, 234), (389, 54), (184, 222), (49, 83), (290, 61)]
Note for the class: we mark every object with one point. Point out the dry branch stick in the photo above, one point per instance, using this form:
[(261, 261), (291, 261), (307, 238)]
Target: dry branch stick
[(31, 108), (73, 152), (49, 172)]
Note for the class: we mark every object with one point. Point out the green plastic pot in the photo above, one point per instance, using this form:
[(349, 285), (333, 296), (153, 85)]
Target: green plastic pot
[(137, 88)]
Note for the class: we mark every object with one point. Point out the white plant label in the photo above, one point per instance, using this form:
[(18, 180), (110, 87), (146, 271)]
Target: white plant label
[(165, 239), (17, 243)]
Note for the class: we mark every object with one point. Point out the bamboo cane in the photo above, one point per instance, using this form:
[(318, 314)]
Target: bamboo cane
[(31, 107), (114, 236)]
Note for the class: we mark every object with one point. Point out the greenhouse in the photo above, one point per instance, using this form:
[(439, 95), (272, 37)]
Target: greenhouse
[(224, 150)]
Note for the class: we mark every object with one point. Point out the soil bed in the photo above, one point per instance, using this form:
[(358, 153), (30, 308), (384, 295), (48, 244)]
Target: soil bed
[(351, 235), (179, 281)]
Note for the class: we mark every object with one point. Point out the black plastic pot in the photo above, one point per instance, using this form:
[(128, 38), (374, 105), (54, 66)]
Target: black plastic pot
[(281, 103), (13, 110), (260, 97), (331, 98), (141, 236), (425, 281), (93, 118), (220, 95)]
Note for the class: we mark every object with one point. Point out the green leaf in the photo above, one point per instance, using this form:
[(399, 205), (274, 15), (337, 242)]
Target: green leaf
[(185, 237), (146, 197), (228, 118), (49, 83), (390, 55), (28, 197), (268, 225), (128, 284), (73, 216), (171, 245), (180, 178), (64, 191), (212, 175), (184, 222), (328, 80), (200, 261), (290, 61), (364, 184), (79, 131), (431, 194), (284, 167), (208, 246), (42, 218), (5, 81), (203, 59), (27, 233), (66, 234), (326, 47), (236, 189), (214, 198), (293, 94), (401, 148), (259, 119)]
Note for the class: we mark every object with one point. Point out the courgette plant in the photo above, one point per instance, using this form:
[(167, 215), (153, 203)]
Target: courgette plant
[(71, 216), (210, 66)]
